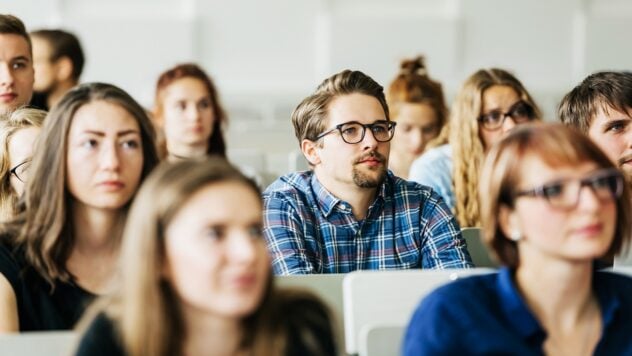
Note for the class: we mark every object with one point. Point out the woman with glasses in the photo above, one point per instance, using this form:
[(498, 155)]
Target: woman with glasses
[(416, 102), (196, 278), (189, 114), (18, 131), (490, 103), (553, 205), (95, 148)]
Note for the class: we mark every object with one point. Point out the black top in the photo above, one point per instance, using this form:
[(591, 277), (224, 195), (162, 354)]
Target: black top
[(39, 307), (39, 101), (305, 320)]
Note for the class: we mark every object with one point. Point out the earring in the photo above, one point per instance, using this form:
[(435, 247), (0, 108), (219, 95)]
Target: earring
[(515, 235)]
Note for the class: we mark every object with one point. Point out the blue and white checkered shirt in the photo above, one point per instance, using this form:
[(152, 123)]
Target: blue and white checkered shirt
[(308, 230)]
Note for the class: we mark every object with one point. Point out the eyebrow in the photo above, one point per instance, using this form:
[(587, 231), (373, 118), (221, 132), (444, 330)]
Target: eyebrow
[(120, 133), (20, 58)]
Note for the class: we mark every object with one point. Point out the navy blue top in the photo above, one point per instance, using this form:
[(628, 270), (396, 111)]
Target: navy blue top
[(487, 315)]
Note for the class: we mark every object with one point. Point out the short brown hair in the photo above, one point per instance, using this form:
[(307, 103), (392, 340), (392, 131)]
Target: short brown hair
[(64, 44), (11, 25), (309, 116), (599, 91), (556, 145)]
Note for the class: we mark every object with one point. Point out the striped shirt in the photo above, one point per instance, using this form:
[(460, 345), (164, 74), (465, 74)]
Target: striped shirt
[(309, 230)]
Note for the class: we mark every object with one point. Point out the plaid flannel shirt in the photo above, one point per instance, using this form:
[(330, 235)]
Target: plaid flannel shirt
[(309, 230)]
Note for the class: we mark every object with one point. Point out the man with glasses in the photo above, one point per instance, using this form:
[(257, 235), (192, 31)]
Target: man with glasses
[(16, 64), (601, 107), (349, 212)]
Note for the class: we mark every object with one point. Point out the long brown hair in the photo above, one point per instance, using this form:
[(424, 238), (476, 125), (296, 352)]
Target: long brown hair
[(44, 224), (467, 149), (145, 309), (216, 143)]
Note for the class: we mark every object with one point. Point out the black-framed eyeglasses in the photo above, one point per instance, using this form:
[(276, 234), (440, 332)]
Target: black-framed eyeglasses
[(520, 112), (606, 184), (353, 131), (20, 171)]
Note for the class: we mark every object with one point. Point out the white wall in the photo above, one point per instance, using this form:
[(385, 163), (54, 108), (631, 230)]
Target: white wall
[(267, 54)]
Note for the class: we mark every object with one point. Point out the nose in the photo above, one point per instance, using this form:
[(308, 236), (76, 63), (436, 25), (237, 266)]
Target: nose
[(508, 124), (193, 113), (243, 248), (110, 157), (6, 76), (368, 141), (588, 199), (417, 141)]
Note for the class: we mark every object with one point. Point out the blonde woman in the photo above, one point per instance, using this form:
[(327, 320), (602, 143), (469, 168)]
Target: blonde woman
[(95, 148), (196, 276), (490, 103), (552, 204), (18, 132), (416, 103)]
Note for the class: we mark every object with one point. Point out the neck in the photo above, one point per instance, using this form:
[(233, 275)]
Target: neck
[(179, 152), (94, 229), (359, 198), (55, 95), (210, 335), (558, 292)]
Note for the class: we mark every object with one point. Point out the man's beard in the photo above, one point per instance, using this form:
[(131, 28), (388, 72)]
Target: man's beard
[(364, 180)]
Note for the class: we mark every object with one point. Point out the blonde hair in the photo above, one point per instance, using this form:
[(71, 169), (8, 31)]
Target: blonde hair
[(556, 145), (145, 309), (467, 148), (10, 124)]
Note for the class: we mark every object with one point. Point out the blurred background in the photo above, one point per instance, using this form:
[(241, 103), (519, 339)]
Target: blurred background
[(266, 55)]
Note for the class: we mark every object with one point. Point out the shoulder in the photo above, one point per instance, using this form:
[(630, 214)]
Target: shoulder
[(617, 283), (436, 157), (11, 261), (291, 184), (100, 338)]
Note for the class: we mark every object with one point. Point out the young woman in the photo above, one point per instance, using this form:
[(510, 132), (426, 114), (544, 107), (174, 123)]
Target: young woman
[(490, 103), (95, 148), (18, 132), (189, 114), (416, 103), (196, 276), (552, 205)]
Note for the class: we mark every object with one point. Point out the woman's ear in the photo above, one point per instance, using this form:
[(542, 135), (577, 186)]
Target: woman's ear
[(508, 223), (310, 151)]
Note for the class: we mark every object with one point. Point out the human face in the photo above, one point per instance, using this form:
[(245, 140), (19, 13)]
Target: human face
[(104, 160), (416, 125), (501, 98), (580, 233), (362, 164), (188, 113), (16, 72), (611, 130), (43, 66), (20, 150), (217, 260)]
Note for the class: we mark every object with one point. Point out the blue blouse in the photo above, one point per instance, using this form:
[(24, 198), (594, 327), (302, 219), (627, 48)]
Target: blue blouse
[(434, 169), (486, 315)]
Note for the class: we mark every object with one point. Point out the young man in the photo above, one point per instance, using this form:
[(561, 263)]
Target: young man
[(349, 212), (58, 60), (601, 107), (16, 64)]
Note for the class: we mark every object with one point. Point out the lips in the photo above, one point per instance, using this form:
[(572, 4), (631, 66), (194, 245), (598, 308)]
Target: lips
[(246, 280), (112, 185), (590, 229), (8, 97), (372, 158)]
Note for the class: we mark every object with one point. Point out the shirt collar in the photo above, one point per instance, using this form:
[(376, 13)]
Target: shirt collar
[(327, 201), (515, 308)]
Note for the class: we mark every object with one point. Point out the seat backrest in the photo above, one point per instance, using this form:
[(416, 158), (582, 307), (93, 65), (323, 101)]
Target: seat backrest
[(326, 286), (624, 259), (53, 343), (380, 340), (476, 247), (389, 297)]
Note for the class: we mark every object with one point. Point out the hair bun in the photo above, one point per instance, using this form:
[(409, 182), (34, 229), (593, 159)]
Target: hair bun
[(412, 66)]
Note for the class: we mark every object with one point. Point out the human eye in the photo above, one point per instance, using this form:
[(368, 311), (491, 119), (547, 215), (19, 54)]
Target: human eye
[(617, 126), (521, 111), (553, 190), (491, 118), (19, 65), (130, 144), (204, 104), (89, 143), (255, 231), (214, 232), (379, 128), (429, 130), (349, 130)]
